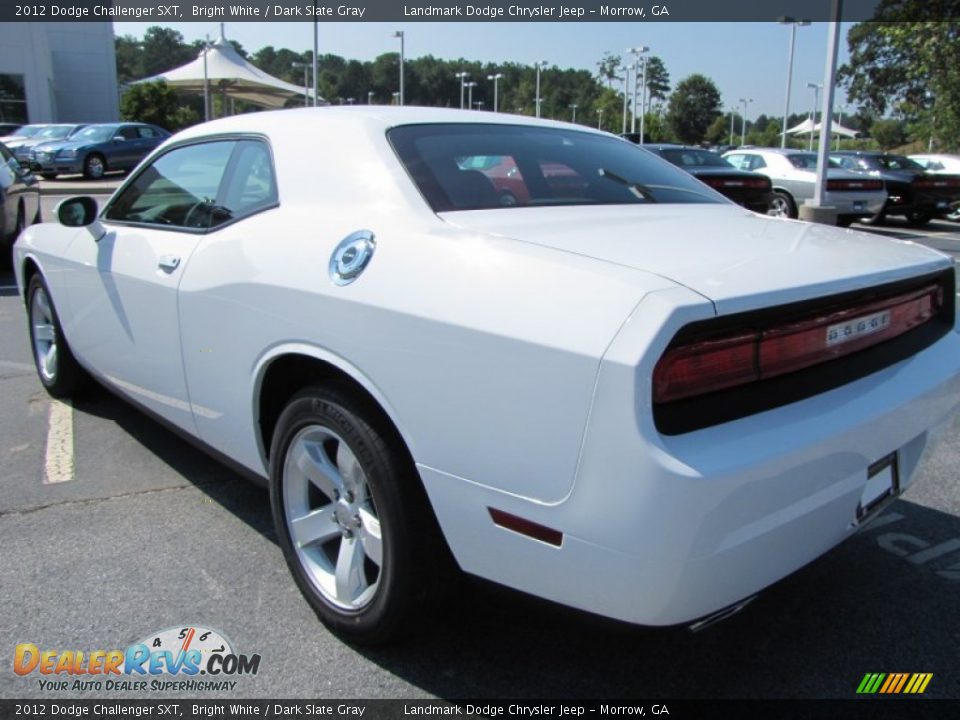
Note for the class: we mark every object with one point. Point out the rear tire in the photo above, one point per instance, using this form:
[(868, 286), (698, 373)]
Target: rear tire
[(353, 521), (918, 218), (58, 370), (782, 205)]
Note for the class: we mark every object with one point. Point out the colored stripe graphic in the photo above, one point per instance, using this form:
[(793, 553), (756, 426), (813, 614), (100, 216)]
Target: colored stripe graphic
[(894, 683)]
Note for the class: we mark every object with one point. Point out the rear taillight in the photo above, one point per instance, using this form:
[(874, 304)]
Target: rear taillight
[(930, 183), (746, 356), (854, 185), (729, 183)]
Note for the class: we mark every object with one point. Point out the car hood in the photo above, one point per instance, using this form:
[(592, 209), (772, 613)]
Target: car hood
[(739, 260)]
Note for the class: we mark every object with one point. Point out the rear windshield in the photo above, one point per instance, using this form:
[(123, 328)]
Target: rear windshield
[(477, 166), (687, 157)]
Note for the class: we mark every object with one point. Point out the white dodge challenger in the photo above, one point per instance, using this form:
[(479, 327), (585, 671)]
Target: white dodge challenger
[(528, 345)]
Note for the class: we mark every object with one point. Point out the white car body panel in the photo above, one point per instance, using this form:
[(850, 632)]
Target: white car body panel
[(939, 163), (513, 349)]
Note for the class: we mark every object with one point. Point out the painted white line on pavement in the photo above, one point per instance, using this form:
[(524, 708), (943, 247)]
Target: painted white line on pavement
[(16, 365), (59, 461)]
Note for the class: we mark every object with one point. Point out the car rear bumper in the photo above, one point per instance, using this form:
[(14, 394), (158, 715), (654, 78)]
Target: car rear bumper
[(665, 530)]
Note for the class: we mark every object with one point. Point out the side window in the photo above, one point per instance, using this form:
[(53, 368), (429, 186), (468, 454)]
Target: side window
[(740, 162), (251, 185), (129, 133), (146, 132), (179, 188), (757, 162)]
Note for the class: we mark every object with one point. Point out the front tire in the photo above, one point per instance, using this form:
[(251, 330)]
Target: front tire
[(58, 370), (919, 218), (94, 166), (350, 515)]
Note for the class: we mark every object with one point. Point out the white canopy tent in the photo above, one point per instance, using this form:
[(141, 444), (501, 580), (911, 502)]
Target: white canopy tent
[(225, 71), (807, 126)]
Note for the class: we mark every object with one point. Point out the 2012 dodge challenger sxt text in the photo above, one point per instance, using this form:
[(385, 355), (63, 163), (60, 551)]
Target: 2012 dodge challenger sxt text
[(595, 380)]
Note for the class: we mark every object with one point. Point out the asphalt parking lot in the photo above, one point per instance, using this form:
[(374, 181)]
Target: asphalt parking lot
[(112, 528)]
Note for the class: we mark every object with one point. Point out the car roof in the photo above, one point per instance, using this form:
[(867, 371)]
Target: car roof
[(771, 151), (383, 116)]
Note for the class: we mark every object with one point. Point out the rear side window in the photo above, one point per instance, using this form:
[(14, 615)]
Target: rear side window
[(478, 166)]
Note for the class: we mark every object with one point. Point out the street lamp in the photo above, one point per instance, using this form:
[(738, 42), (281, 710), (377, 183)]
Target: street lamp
[(626, 78), (462, 76), (743, 124), (539, 65), (479, 104), (206, 81), (306, 84), (470, 86), (396, 97), (314, 60), (840, 123), (637, 53), (733, 113), (599, 118), (399, 34), (794, 24), (369, 97), (813, 117), (496, 82), (573, 106)]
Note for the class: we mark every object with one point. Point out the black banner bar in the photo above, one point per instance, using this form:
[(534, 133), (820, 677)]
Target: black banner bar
[(873, 708), (169, 11)]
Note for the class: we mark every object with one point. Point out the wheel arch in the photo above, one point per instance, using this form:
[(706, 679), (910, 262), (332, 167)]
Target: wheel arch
[(284, 371), (29, 267)]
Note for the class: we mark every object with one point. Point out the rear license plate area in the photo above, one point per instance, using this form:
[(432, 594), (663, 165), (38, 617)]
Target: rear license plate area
[(883, 484)]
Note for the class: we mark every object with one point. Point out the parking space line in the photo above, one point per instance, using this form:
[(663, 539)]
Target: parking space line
[(58, 467)]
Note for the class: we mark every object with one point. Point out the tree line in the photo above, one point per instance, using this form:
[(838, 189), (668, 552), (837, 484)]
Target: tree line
[(909, 68)]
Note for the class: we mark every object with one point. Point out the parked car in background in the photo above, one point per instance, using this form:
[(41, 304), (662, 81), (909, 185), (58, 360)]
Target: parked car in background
[(19, 201), (626, 394), (753, 191), (938, 164), (22, 133), (794, 176), (97, 149), (912, 192), (52, 133)]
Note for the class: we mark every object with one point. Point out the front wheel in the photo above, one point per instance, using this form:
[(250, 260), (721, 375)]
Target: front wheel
[(918, 218), (57, 369), (350, 515), (94, 167)]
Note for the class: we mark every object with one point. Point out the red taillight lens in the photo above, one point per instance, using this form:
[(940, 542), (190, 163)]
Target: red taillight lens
[(930, 183), (854, 185), (728, 183), (706, 366)]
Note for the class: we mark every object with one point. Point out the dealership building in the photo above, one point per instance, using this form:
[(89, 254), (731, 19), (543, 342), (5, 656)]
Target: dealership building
[(58, 72)]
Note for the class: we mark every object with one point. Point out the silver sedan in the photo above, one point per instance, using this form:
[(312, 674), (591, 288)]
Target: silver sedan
[(794, 174)]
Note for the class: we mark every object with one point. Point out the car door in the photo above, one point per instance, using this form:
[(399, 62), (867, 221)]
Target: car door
[(124, 286), (128, 152)]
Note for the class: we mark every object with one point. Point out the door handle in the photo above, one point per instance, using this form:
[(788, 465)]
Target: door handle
[(168, 263)]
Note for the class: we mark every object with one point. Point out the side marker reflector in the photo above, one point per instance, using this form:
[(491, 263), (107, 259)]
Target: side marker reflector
[(526, 527)]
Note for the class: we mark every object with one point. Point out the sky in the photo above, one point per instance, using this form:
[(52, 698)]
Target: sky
[(745, 60)]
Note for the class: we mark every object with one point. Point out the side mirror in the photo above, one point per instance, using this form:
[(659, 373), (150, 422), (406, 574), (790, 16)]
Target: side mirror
[(77, 211), (118, 138)]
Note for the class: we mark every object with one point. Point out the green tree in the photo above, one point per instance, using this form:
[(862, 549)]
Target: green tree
[(658, 80), (898, 61), (694, 105), (608, 69), (156, 103), (888, 133), (163, 49)]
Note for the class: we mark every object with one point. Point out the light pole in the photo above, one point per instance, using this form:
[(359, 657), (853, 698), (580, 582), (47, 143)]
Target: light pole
[(540, 64), (306, 84), (743, 123), (599, 118), (840, 123), (396, 97), (626, 78), (479, 104), (496, 82), (399, 34), (637, 53), (643, 99), (315, 60), (794, 24), (369, 97), (206, 81), (813, 117), (462, 76), (470, 86), (733, 112)]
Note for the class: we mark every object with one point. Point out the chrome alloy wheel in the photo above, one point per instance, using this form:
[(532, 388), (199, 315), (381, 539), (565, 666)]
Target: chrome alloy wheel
[(332, 518), (44, 334), (779, 207)]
